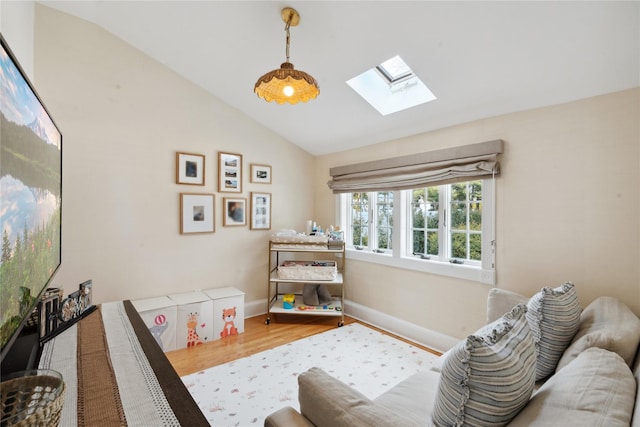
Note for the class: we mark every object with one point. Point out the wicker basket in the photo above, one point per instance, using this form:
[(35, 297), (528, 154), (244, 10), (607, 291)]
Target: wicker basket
[(32, 398)]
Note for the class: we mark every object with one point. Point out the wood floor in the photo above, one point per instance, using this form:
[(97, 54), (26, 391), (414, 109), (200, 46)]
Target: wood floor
[(257, 337)]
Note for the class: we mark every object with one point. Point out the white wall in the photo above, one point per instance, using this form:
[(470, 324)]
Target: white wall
[(123, 117), (16, 26), (568, 208)]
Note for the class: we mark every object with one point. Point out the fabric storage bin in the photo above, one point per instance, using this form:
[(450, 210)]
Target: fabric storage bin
[(195, 318), (160, 314), (228, 311)]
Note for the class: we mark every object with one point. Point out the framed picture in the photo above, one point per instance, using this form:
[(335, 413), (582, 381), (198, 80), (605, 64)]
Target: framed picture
[(234, 211), (229, 172), (260, 173), (197, 213), (260, 211), (189, 168)]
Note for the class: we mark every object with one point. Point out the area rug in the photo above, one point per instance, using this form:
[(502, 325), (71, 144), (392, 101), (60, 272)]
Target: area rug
[(243, 392)]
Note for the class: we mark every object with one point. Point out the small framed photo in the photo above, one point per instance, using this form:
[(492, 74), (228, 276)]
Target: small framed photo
[(229, 172), (260, 211), (234, 212), (260, 174), (190, 168), (197, 213)]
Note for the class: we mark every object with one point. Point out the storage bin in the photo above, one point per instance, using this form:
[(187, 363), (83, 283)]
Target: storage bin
[(194, 319), (160, 314), (228, 311), (308, 270)]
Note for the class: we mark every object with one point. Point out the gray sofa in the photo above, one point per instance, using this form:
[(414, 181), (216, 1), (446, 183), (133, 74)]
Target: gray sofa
[(595, 381)]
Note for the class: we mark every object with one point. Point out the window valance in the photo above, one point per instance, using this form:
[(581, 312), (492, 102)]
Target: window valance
[(456, 164)]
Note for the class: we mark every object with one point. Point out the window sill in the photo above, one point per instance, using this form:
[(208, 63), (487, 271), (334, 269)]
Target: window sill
[(459, 271)]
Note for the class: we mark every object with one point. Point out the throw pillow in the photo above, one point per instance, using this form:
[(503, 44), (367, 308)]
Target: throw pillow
[(608, 324), (596, 389), (554, 318), (487, 378), (500, 301)]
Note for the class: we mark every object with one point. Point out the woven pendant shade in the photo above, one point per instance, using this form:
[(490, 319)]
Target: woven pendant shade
[(286, 84), (271, 86)]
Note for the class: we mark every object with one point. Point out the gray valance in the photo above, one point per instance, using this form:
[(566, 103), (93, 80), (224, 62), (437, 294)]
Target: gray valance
[(464, 163)]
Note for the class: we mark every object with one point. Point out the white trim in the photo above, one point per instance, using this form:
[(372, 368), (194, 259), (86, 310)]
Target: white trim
[(255, 308), (410, 331), (482, 272), (459, 271), (407, 330)]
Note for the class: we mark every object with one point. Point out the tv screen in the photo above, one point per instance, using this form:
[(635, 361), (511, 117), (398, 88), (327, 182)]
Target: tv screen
[(30, 197)]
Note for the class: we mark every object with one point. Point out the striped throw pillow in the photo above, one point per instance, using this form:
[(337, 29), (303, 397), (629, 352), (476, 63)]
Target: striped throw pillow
[(554, 319), (488, 377)]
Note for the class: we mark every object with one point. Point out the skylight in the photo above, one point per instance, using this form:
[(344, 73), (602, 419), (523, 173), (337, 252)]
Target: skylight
[(391, 87)]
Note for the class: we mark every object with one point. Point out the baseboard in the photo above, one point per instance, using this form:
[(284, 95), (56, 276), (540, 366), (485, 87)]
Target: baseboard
[(410, 331), (426, 337), (255, 308)]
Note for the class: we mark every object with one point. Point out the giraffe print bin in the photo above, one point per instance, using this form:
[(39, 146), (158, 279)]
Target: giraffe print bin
[(194, 322)]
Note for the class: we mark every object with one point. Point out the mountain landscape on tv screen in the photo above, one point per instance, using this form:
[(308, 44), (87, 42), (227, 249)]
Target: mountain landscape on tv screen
[(30, 185)]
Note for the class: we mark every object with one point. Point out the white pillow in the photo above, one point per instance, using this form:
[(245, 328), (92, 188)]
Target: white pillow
[(487, 378), (608, 324), (554, 318), (596, 389)]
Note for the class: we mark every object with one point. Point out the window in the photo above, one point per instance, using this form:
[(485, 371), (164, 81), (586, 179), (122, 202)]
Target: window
[(446, 229), (452, 232), (359, 220), (384, 221), (391, 87)]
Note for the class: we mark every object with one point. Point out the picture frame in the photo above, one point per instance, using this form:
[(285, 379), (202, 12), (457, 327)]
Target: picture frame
[(234, 211), (190, 168), (260, 174), (229, 172), (260, 211), (197, 213)]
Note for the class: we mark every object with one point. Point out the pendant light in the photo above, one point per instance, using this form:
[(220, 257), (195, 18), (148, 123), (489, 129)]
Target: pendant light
[(286, 84)]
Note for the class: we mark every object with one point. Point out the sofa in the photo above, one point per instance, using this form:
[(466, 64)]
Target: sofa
[(539, 361)]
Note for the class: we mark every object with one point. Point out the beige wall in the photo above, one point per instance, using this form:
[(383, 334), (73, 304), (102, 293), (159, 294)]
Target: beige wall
[(16, 25), (123, 117), (568, 208)]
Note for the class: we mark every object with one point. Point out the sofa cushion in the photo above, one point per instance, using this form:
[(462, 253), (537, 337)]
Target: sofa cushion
[(326, 401), (635, 368), (595, 389), (554, 317), (286, 416), (488, 377), (414, 396), (609, 324), (501, 301)]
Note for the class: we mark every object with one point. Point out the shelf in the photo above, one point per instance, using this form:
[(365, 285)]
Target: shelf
[(276, 307), (337, 281), (323, 249), (324, 252)]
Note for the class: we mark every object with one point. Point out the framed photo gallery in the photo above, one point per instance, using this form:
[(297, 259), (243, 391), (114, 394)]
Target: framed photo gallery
[(198, 210)]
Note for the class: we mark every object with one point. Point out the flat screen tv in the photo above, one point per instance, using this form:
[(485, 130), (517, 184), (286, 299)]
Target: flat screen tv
[(30, 198)]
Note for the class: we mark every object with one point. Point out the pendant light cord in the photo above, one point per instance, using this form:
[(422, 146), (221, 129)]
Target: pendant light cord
[(286, 28)]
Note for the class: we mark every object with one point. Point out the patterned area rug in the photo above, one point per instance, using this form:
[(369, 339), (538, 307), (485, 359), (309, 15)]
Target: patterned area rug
[(243, 392)]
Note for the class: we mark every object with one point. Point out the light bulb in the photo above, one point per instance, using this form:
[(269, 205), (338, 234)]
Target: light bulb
[(288, 90)]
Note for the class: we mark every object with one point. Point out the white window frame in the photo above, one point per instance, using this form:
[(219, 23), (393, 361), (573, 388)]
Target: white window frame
[(402, 256)]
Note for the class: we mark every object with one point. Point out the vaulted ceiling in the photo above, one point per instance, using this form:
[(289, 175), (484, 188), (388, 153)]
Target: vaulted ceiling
[(479, 58)]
